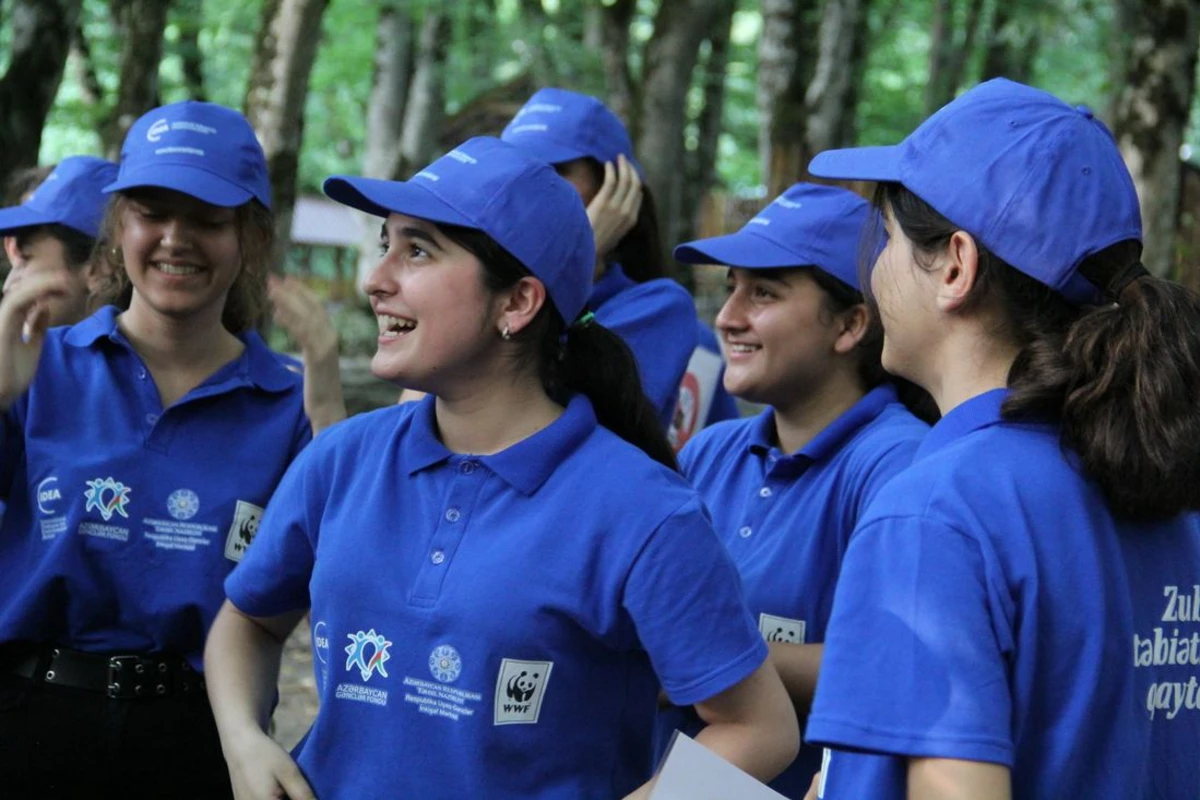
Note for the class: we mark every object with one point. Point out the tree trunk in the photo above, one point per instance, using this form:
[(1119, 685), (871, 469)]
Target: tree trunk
[(141, 24), (385, 112), (287, 48), (90, 89), (829, 92), (787, 57), (190, 16), (671, 54), (425, 104), (1151, 113), (702, 162), (614, 55), (40, 40), (1012, 43), (857, 68), (949, 51)]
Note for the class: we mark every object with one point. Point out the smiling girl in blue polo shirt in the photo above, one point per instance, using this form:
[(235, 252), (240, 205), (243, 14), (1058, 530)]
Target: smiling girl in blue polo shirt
[(785, 488), (980, 644), (677, 356), (138, 449), (500, 576)]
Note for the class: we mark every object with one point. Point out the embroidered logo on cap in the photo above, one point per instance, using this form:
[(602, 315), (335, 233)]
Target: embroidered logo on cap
[(157, 130)]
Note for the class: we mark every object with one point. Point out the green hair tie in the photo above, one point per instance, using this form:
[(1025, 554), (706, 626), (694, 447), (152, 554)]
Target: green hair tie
[(584, 320)]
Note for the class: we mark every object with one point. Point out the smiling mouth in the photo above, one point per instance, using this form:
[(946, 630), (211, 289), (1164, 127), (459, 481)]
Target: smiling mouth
[(394, 327), (176, 269), (742, 348)]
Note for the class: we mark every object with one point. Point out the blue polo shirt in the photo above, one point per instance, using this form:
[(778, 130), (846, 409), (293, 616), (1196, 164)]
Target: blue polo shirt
[(786, 520), (657, 319), (123, 517), (494, 626), (985, 612)]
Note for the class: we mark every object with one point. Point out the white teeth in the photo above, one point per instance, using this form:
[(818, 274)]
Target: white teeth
[(177, 269), (742, 348), (394, 326)]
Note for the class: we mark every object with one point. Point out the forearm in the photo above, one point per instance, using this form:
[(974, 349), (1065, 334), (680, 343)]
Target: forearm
[(241, 660), (323, 399), (798, 666), (752, 725), (951, 779)]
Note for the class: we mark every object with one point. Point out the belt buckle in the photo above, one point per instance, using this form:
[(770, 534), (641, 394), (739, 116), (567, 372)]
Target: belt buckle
[(123, 682)]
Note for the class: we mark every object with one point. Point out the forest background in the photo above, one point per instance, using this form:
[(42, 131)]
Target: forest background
[(726, 99)]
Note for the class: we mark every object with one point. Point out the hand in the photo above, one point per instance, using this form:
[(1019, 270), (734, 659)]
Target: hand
[(24, 317), (262, 770), (811, 794), (614, 210), (301, 313)]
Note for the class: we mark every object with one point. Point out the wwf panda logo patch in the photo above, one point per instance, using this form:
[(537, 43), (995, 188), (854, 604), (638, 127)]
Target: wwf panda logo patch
[(246, 517), (520, 689)]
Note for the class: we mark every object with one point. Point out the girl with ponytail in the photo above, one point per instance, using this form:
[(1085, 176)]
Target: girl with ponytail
[(980, 639), (500, 575)]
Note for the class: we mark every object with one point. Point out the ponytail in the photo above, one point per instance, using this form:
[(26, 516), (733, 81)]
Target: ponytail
[(1121, 380), (584, 357)]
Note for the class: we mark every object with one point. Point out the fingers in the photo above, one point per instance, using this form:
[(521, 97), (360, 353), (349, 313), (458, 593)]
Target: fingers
[(603, 198), (293, 783), (21, 310)]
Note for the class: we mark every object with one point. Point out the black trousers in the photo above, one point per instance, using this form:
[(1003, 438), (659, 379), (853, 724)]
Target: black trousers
[(59, 742)]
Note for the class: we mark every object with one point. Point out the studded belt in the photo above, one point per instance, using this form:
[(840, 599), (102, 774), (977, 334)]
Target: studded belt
[(132, 676)]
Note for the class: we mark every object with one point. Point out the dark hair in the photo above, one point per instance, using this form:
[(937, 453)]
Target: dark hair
[(639, 252), (247, 299), (1120, 379), (24, 181), (78, 246), (592, 360)]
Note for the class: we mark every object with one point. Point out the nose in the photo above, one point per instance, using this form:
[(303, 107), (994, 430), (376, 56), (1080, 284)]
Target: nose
[(175, 233), (730, 317), (379, 280)]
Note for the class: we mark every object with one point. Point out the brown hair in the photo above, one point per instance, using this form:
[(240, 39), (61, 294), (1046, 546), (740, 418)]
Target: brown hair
[(640, 251), (247, 299), (1120, 379), (24, 181)]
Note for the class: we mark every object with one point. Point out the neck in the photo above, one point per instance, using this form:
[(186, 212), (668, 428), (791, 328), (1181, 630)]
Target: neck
[(969, 364), (165, 341), (494, 416), (798, 421)]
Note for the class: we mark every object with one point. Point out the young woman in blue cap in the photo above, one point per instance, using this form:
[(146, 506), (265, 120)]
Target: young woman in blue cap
[(55, 228), (500, 576), (138, 449), (980, 644), (785, 488), (588, 145)]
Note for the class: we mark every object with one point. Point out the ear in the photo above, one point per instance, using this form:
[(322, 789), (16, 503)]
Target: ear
[(959, 273), (10, 249), (520, 304), (853, 325), (95, 272)]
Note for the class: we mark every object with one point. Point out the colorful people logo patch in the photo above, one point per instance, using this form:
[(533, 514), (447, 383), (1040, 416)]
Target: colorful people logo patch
[(357, 651), (108, 497)]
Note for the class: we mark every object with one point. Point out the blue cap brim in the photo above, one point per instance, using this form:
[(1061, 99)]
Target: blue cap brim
[(859, 164), (17, 217), (741, 249), (381, 198), (198, 183)]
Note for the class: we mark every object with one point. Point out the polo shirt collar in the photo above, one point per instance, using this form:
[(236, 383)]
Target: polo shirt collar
[(979, 412), (526, 465), (835, 434), (258, 365)]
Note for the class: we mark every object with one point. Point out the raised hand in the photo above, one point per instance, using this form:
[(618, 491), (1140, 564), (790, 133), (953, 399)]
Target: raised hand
[(24, 318), (614, 210)]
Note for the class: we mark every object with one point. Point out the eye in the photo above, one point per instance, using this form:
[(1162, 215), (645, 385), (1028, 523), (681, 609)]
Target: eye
[(384, 246), (763, 293), (415, 252)]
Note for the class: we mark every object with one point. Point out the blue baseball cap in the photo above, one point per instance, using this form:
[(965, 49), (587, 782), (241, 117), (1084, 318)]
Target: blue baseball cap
[(72, 195), (201, 149), (806, 226), (1041, 184), (489, 185), (557, 125)]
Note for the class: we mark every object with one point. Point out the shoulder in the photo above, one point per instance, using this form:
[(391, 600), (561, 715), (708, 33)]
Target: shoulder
[(629, 477), (717, 442)]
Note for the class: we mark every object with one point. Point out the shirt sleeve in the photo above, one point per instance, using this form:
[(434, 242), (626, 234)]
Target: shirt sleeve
[(657, 320), (685, 599), (273, 577), (913, 662)]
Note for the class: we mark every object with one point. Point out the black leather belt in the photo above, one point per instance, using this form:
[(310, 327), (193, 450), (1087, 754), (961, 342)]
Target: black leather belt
[(120, 676)]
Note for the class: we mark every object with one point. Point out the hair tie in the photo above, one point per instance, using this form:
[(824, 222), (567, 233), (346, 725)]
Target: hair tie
[(584, 320), (1123, 278)]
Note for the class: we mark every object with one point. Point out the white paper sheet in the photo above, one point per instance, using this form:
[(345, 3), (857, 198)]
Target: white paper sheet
[(691, 771)]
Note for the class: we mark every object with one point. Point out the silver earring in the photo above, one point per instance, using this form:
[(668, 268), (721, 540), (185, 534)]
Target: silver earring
[(505, 334)]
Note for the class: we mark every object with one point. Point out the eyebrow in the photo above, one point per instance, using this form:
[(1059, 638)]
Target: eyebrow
[(772, 274)]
